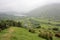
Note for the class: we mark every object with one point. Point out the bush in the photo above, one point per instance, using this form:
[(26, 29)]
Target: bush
[(55, 29), (2, 26), (32, 30), (0, 30), (49, 28), (57, 24), (38, 27), (46, 35), (57, 34)]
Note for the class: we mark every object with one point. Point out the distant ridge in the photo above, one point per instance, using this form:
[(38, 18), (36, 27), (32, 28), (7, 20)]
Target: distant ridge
[(47, 11)]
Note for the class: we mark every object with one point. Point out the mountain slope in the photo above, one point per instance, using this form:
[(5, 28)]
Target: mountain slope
[(47, 11), (6, 16)]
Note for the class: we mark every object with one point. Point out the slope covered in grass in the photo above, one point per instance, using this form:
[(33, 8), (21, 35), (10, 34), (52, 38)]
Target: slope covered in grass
[(15, 33)]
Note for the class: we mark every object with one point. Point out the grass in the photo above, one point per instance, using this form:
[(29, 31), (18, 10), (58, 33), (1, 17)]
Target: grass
[(16, 33), (19, 34)]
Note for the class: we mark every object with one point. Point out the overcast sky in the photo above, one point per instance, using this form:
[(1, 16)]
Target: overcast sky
[(23, 5)]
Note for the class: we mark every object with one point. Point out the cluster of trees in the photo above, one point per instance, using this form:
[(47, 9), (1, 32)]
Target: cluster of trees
[(43, 33), (7, 23), (46, 35)]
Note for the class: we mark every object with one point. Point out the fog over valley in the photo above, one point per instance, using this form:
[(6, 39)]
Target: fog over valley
[(23, 6), (31, 8)]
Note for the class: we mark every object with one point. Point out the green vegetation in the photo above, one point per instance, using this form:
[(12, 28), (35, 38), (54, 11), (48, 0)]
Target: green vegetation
[(16, 33), (7, 23), (29, 29)]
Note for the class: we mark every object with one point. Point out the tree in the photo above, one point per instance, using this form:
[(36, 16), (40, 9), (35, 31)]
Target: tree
[(18, 24)]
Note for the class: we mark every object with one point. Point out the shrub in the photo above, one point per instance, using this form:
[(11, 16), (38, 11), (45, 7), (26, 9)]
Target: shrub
[(32, 30), (46, 35), (55, 29), (38, 26), (49, 28), (57, 24), (0, 29), (57, 34)]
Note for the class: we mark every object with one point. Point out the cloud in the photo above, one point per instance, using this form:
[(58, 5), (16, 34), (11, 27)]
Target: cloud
[(23, 5)]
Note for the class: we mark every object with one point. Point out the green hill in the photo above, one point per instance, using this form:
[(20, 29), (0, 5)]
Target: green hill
[(15, 33), (47, 11)]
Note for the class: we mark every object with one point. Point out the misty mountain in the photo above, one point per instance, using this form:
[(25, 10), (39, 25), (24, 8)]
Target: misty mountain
[(6, 16), (10, 16), (47, 11)]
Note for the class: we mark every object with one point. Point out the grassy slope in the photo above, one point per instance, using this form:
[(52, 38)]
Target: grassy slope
[(23, 34), (15, 33), (44, 21)]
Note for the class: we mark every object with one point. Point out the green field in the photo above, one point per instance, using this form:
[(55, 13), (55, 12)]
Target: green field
[(15, 33), (18, 33)]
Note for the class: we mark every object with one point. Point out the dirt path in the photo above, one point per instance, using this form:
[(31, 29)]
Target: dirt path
[(8, 35)]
